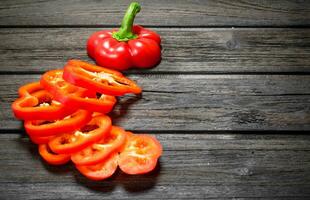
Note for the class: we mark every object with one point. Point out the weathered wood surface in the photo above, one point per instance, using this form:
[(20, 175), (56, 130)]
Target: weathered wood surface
[(212, 78), (198, 50), (217, 166), (160, 12), (199, 102)]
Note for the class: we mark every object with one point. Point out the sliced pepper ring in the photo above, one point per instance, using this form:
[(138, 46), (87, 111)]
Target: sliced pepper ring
[(69, 124), (70, 143), (29, 88), (99, 79), (74, 96), (99, 151), (40, 140), (36, 103), (51, 157), (140, 154), (102, 170)]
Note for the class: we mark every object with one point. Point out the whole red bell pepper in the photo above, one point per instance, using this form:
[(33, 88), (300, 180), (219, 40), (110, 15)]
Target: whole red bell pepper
[(130, 46)]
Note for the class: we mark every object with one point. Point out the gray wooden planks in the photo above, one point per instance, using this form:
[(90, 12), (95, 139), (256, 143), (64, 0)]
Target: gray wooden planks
[(162, 13), (193, 166), (198, 50), (175, 102), (198, 102)]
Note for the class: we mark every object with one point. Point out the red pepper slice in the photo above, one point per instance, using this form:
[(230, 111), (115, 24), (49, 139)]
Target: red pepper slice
[(99, 79), (28, 89), (40, 140), (102, 170), (52, 158), (70, 143), (41, 128), (36, 103), (101, 150), (128, 135), (130, 46), (140, 154), (74, 96)]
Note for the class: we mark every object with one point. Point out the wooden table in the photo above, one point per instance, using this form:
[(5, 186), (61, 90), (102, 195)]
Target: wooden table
[(230, 100)]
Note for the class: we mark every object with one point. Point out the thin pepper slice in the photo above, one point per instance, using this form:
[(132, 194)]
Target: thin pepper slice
[(40, 140), (74, 96), (100, 150), (102, 170), (99, 79), (42, 128), (140, 154), (36, 103), (70, 143), (28, 89), (51, 157)]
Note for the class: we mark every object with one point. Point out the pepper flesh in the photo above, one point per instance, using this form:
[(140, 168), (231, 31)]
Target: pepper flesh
[(102, 170), (130, 46), (70, 143), (42, 128), (100, 150), (51, 157), (99, 79), (140, 154), (36, 103), (40, 140), (74, 96)]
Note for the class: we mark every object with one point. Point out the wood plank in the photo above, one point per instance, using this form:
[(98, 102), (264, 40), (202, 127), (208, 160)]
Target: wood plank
[(184, 50), (218, 166), (161, 12), (198, 102)]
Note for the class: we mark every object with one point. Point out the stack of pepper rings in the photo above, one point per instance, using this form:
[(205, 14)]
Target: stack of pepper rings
[(67, 118)]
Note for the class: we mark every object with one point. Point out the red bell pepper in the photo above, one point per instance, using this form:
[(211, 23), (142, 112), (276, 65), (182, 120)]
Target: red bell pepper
[(73, 96), (28, 89), (100, 150), (42, 128), (40, 140), (70, 143), (140, 154), (130, 46), (102, 170), (51, 157), (99, 79), (36, 103)]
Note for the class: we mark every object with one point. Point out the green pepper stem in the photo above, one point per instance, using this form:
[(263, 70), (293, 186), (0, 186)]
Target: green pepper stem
[(125, 32)]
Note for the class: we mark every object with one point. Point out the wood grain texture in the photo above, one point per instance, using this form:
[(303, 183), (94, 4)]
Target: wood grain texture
[(259, 153), (198, 102), (184, 50), (217, 166), (160, 12)]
